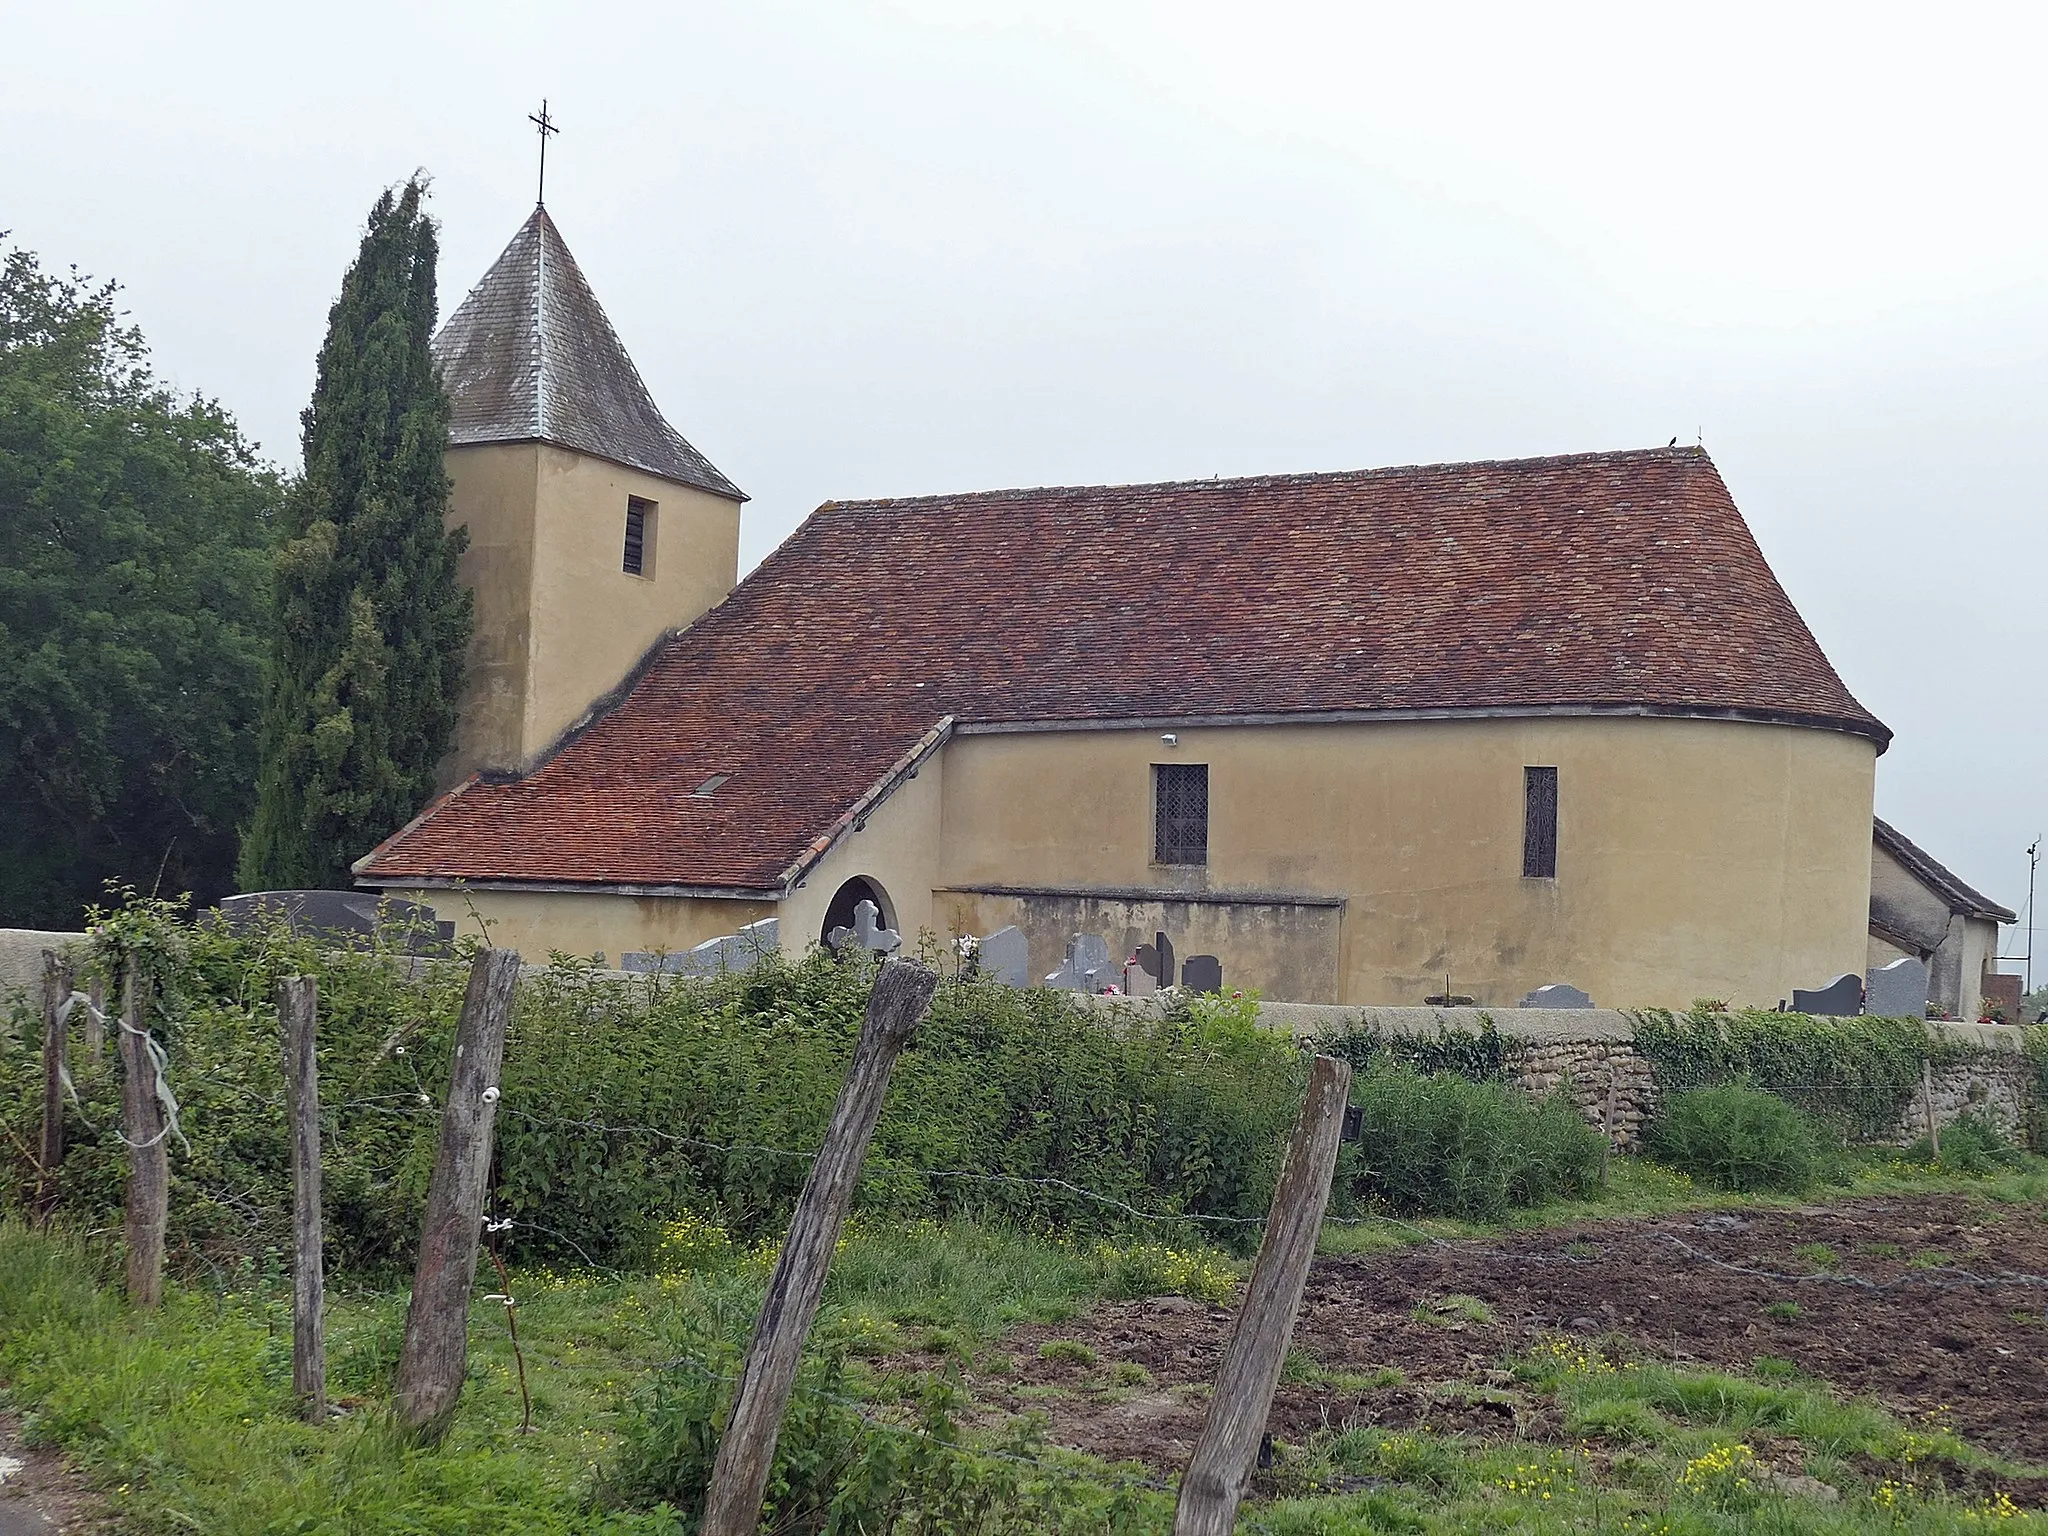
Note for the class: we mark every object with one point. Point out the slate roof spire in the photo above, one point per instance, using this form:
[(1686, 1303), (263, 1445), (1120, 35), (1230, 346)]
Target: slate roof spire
[(529, 356)]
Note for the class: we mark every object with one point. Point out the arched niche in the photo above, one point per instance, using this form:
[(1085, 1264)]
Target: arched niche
[(839, 912)]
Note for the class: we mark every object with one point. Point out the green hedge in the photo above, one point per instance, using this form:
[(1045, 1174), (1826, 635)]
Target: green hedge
[(1854, 1074), (626, 1102)]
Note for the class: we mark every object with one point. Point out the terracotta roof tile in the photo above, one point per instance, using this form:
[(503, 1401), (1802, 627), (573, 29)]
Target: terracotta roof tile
[(529, 356), (1623, 581)]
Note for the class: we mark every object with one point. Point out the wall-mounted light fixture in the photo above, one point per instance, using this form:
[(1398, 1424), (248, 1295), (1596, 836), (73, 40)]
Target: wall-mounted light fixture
[(1170, 739)]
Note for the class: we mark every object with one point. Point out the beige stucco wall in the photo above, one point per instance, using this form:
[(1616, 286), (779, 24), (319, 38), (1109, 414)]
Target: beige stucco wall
[(559, 622), (537, 923), (1695, 858), (492, 494), (899, 851)]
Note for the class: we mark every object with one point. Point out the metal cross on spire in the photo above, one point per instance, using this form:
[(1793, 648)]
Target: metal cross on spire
[(546, 126)]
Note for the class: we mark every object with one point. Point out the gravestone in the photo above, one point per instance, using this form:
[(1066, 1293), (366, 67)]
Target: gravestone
[(1557, 995), (729, 954), (1202, 973), (866, 933), (1138, 978), (1841, 998), (1087, 967), (1157, 959), (1898, 990), (341, 915), (1005, 956)]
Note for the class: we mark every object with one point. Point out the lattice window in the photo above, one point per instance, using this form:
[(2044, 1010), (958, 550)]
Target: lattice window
[(1539, 823), (1180, 813), (639, 528)]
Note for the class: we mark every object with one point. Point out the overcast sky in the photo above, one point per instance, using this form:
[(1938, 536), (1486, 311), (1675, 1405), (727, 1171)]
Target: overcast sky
[(937, 245)]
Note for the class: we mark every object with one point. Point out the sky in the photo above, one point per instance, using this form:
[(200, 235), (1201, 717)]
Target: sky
[(890, 247)]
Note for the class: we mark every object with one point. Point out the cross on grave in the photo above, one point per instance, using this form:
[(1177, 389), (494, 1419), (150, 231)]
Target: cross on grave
[(867, 932), (1087, 967)]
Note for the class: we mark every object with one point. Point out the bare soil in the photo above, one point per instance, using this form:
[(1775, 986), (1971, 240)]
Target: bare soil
[(1958, 1338), (41, 1494)]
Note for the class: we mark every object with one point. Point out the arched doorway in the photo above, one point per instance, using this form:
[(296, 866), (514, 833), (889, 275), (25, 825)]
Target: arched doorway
[(839, 912)]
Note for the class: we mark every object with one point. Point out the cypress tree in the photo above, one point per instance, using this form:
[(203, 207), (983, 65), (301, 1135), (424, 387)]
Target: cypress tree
[(371, 623)]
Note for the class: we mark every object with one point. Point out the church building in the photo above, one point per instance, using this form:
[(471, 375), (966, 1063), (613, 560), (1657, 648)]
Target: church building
[(1366, 737)]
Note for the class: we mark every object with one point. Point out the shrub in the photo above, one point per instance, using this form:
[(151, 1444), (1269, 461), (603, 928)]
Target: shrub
[(835, 1468), (1741, 1139), (629, 1103), (1971, 1144), (1444, 1145), (1856, 1074), (1480, 1055)]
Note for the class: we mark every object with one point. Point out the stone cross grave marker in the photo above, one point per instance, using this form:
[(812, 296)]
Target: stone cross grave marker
[(1087, 967), (1898, 990), (867, 932)]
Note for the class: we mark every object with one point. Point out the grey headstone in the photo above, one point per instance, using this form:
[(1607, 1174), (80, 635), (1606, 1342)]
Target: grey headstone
[(340, 914), (867, 932), (1840, 999), (1157, 958), (1087, 967), (1138, 978), (1005, 956), (1898, 990), (1557, 994), (761, 939), (1202, 973)]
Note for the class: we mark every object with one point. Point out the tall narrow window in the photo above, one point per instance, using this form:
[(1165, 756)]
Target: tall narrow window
[(1539, 823), (1180, 813), (639, 536)]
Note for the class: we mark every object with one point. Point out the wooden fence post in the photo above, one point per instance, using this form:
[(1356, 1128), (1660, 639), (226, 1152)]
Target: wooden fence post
[(1222, 1459), (149, 1165), (435, 1355), (56, 993), (298, 999), (95, 1018), (1927, 1105), (739, 1481)]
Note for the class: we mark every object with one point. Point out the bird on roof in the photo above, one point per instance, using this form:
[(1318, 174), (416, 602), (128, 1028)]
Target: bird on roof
[(1672, 444)]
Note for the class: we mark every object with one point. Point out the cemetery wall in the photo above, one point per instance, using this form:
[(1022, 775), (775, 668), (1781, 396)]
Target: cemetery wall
[(589, 922), (1696, 858), (21, 958), (1583, 1049), (1274, 946)]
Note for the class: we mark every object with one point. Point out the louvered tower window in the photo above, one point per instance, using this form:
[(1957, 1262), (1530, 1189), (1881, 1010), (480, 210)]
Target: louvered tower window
[(639, 535), (1180, 813), (1539, 823)]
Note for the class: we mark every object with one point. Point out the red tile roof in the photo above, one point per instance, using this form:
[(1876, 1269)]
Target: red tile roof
[(1598, 582)]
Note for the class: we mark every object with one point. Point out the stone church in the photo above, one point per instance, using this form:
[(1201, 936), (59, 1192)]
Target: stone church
[(1366, 737)]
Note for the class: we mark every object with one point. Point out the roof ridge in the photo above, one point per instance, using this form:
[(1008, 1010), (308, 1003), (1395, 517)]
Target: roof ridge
[(1294, 477)]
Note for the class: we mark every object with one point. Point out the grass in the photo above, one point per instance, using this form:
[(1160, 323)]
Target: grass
[(184, 1418)]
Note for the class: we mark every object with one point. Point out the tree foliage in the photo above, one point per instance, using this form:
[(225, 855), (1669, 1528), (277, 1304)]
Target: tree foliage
[(134, 530), (371, 622)]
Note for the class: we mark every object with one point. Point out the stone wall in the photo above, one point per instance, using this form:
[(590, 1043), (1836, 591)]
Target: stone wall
[(21, 960), (1586, 1049)]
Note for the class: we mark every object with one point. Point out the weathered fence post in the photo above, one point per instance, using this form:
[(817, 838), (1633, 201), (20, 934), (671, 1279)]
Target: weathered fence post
[(739, 1480), (298, 999), (1222, 1459), (435, 1355), (1927, 1105), (56, 993), (149, 1164), (95, 1018)]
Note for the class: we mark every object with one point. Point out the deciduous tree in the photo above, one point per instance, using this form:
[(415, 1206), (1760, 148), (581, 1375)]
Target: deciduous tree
[(135, 527)]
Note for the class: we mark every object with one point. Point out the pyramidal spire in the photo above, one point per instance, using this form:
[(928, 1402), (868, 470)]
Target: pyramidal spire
[(529, 356)]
